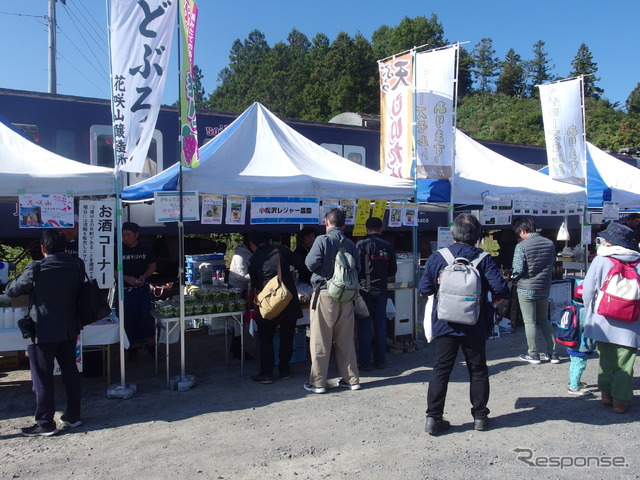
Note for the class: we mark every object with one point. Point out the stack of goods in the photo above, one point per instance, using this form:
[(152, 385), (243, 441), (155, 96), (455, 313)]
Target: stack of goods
[(203, 301)]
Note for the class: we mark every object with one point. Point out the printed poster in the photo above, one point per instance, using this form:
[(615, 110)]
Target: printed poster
[(379, 207), (349, 207), (410, 215), (167, 206), (45, 210), (395, 215), (445, 237), (211, 210), (610, 211), (236, 210)]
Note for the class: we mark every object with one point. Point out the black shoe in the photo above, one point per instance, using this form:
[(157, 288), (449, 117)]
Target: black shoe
[(481, 424), (39, 431), (436, 425), (285, 374), (262, 379), (364, 367)]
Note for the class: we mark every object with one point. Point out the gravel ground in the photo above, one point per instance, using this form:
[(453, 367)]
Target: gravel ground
[(228, 427)]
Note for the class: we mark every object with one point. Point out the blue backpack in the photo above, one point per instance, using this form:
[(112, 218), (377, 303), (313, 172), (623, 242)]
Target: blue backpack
[(568, 329)]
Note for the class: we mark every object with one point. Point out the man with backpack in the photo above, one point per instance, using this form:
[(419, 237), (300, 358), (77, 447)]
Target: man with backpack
[(334, 263), (450, 335), (533, 262), (617, 332)]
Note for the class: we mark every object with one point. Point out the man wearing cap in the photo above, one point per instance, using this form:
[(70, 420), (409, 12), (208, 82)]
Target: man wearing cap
[(71, 235), (138, 264), (618, 340)]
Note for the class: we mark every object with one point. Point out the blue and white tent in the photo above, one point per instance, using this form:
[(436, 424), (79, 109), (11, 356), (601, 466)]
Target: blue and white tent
[(479, 172)]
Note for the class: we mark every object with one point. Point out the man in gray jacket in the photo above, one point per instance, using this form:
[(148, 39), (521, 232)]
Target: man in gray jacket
[(332, 322), (54, 288), (533, 262)]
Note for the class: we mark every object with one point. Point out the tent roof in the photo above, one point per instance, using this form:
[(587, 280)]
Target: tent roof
[(481, 172), (29, 167), (610, 179), (258, 154)]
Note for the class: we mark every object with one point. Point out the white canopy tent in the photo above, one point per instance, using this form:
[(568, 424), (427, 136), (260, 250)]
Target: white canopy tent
[(258, 154), (481, 172), (24, 166)]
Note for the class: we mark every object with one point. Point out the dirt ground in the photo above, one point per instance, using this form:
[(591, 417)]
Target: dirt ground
[(228, 427)]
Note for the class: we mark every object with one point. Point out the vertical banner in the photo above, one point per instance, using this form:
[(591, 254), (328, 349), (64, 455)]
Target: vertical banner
[(379, 207), (96, 247), (141, 36), (188, 126), (562, 115), (362, 215), (435, 90), (396, 116)]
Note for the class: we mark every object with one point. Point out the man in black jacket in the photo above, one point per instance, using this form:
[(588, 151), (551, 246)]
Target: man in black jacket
[(54, 287), (377, 264), (262, 268)]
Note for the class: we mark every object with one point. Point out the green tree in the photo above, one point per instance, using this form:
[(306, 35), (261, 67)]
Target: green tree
[(485, 63), (410, 32), (539, 69), (512, 79), (198, 89), (583, 64), (465, 66), (633, 101)]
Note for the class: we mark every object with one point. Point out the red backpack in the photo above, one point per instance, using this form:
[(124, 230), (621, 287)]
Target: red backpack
[(619, 296)]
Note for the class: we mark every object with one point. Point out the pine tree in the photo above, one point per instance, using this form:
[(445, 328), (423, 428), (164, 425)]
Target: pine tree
[(584, 65), (539, 69), (512, 79), (633, 102), (485, 64)]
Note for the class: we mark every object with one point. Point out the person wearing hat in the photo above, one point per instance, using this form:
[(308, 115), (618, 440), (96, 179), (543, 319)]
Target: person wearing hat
[(138, 264), (618, 340), (71, 235)]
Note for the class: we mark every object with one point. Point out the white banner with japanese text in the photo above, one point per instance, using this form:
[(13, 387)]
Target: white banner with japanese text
[(396, 116), (435, 91), (562, 115), (96, 228), (167, 206), (268, 210), (141, 36)]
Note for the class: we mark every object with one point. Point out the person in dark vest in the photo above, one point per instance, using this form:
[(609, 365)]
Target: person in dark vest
[(533, 261)]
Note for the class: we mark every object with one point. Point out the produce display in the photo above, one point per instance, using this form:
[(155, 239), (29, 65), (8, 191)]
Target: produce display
[(202, 301)]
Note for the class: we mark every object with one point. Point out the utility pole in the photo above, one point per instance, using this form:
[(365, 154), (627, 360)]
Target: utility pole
[(53, 77)]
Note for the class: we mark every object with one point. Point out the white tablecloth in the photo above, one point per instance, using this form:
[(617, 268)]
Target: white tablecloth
[(104, 332)]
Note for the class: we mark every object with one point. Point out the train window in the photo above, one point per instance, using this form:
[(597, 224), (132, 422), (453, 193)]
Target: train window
[(332, 147), (355, 153), (101, 138), (32, 132), (66, 143)]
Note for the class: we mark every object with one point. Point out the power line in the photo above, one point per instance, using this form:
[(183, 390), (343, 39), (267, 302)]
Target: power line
[(76, 23), (106, 92), (98, 36)]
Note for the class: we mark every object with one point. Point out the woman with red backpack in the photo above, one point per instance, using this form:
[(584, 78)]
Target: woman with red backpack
[(612, 301)]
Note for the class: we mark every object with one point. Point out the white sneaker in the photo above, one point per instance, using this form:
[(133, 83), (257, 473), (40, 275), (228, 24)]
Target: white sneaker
[(350, 386), (313, 389), (579, 392)]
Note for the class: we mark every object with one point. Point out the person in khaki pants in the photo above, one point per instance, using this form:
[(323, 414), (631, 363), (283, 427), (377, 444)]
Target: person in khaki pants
[(332, 322)]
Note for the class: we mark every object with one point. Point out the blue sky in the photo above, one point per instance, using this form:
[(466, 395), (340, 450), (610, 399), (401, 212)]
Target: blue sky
[(608, 28)]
